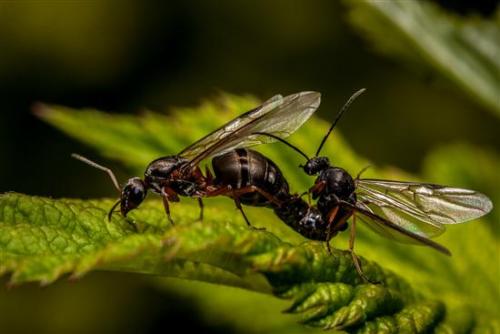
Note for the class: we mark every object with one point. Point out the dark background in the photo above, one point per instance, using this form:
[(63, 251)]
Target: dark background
[(124, 56)]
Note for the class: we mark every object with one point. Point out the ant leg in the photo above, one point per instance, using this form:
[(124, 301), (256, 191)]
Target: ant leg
[(229, 191), (209, 175), (328, 248), (200, 203), (251, 189), (218, 191), (164, 196), (238, 205), (308, 193), (236, 193), (331, 218), (167, 210), (317, 188), (355, 258)]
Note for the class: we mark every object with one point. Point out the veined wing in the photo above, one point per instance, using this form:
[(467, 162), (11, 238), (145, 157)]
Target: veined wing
[(390, 230), (280, 116), (421, 208)]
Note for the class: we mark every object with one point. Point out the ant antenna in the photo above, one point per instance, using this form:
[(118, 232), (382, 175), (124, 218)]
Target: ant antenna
[(96, 165), (112, 210), (337, 118), (362, 171), (284, 142)]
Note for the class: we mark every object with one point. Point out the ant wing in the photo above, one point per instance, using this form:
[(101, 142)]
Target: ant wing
[(422, 206), (388, 229), (280, 116), (414, 212)]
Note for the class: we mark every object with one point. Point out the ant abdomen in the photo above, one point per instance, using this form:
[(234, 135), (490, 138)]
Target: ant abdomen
[(303, 218)]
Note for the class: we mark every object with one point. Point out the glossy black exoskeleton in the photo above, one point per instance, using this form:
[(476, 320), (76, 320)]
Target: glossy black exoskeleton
[(257, 181), (246, 169), (303, 218)]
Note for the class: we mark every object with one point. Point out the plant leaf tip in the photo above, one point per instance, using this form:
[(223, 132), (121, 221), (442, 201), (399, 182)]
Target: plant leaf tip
[(40, 109)]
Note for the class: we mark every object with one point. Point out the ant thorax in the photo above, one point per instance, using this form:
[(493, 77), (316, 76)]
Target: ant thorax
[(163, 171), (338, 184), (169, 172)]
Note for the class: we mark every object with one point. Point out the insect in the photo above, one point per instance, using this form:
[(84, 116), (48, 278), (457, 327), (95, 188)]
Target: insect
[(404, 211), (245, 175)]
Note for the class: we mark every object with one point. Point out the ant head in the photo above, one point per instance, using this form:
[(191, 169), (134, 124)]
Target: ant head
[(316, 165), (132, 195)]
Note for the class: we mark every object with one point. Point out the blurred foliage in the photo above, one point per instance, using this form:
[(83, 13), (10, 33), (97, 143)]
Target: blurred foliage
[(466, 51), (472, 167), (86, 35), (319, 284)]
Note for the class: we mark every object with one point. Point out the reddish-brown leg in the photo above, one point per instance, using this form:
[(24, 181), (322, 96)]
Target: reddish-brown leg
[(170, 193), (165, 196), (224, 191), (331, 218), (318, 187), (236, 193), (209, 175), (229, 191), (355, 258), (251, 189)]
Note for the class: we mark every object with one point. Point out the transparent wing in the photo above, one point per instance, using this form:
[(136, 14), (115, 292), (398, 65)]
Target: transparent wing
[(280, 116), (388, 229), (420, 208)]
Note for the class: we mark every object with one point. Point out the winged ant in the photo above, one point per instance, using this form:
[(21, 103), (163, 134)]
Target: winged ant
[(242, 174)]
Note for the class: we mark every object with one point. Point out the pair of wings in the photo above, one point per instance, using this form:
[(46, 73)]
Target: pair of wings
[(403, 211), (279, 116)]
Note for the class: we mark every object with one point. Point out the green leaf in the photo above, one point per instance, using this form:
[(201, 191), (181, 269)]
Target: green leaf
[(43, 239), (463, 50), (325, 289)]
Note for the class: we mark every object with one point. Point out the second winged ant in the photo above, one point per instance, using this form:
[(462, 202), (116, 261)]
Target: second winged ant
[(404, 211), (242, 174)]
